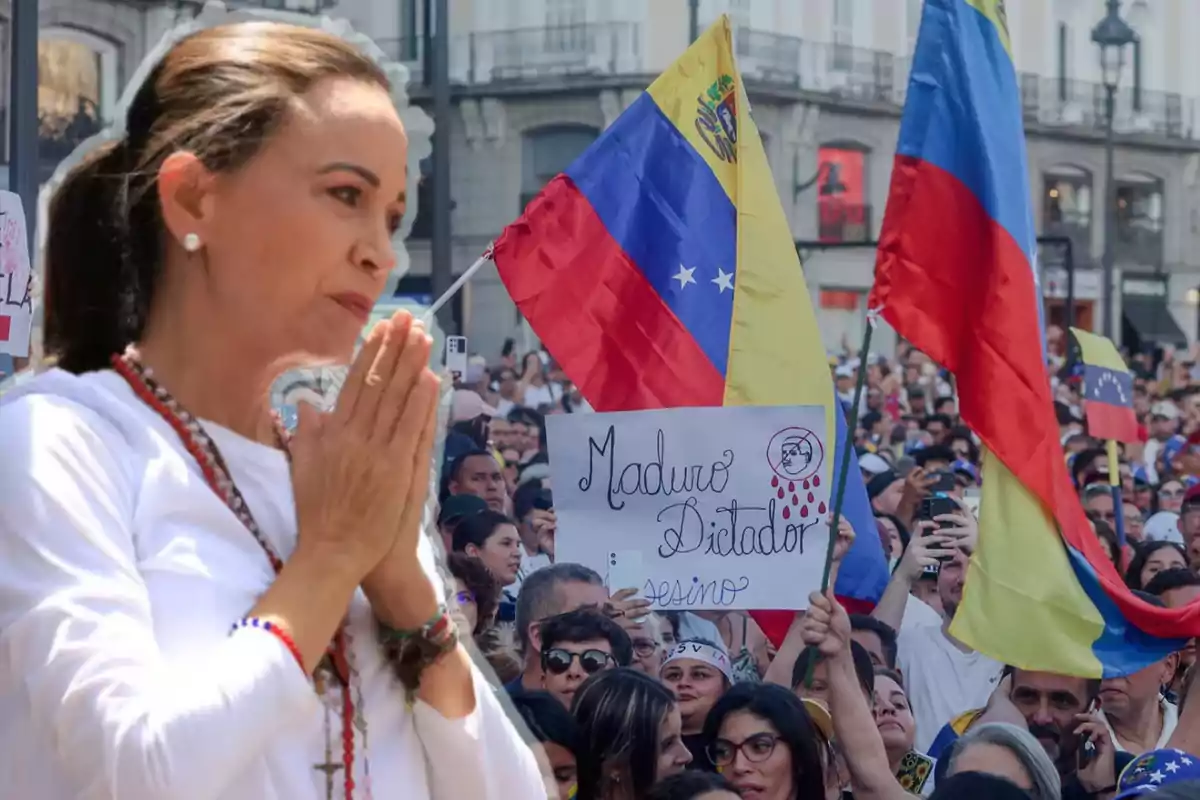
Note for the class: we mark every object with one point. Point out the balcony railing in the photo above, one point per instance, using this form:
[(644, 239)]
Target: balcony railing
[(1050, 101), (563, 51), (839, 222), (789, 62), (772, 60)]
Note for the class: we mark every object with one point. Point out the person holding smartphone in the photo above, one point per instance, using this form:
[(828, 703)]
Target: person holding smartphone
[(945, 677)]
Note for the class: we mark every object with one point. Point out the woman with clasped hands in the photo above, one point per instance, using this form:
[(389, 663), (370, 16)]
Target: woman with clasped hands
[(194, 604)]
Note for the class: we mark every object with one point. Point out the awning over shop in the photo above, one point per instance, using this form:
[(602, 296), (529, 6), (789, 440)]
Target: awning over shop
[(1152, 321)]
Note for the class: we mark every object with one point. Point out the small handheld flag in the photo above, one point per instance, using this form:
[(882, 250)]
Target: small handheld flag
[(1107, 388)]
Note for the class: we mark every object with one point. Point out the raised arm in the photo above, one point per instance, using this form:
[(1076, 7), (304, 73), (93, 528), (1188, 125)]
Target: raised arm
[(827, 627)]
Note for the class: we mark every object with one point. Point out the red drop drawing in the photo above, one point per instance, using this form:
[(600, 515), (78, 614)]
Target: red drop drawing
[(803, 511), (806, 483), (791, 486), (787, 512), (779, 492), (821, 508), (811, 497), (795, 500), (816, 480), (775, 481)]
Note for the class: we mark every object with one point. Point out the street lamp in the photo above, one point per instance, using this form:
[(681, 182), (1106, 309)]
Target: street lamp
[(1112, 34)]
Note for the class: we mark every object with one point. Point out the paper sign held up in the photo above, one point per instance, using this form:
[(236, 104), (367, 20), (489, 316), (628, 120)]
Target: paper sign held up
[(728, 507), (16, 278)]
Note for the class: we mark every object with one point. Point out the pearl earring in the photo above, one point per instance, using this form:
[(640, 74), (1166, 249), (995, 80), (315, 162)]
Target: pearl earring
[(191, 242)]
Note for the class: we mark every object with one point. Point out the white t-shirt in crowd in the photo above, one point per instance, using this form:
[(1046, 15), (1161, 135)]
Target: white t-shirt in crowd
[(120, 577), (942, 681), (1170, 722), (545, 395)]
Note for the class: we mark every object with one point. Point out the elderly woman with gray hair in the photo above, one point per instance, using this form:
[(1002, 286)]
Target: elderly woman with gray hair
[(1008, 752)]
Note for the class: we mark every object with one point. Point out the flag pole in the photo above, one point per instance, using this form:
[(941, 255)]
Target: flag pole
[(1114, 481), (839, 490), (431, 312)]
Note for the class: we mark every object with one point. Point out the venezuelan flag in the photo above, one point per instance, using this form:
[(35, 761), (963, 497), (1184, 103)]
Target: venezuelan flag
[(1107, 388), (660, 271), (955, 275)]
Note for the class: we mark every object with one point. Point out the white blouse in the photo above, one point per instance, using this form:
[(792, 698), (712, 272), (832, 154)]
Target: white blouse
[(121, 573)]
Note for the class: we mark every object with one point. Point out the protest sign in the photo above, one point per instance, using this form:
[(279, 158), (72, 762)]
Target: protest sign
[(16, 278), (705, 508)]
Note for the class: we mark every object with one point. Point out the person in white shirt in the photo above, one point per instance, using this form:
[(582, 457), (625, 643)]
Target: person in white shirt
[(195, 603), (943, 677)]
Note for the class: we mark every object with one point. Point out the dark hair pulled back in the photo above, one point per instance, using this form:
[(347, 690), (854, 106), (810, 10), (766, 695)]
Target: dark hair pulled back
[(219, 93)]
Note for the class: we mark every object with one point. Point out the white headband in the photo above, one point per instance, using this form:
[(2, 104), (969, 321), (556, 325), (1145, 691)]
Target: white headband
[(699, 651)]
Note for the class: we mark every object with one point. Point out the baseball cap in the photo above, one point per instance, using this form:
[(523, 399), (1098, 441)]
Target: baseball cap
[(458, 506), (873, 464), (1165, 409), (1163, 527), (468, 405), (964, 467), (1155, 771)]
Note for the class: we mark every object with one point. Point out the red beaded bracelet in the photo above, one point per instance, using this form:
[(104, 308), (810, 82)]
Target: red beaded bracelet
[(276, 630)]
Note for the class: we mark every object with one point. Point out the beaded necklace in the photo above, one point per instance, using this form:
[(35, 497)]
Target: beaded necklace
[(200, 446)]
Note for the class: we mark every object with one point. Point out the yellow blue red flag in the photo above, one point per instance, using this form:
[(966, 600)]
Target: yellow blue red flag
[(1107, 388), (955, 275), (660, 272)]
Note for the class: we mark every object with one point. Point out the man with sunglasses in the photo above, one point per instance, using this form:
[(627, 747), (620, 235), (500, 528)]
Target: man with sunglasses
[(577, 645)]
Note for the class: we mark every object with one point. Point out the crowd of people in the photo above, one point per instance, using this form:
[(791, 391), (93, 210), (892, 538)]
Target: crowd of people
[(631, 703)]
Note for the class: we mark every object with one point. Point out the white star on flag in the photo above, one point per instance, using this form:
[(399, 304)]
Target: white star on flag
[(1157, 777), (685, 276), (1187, 762), (1172, 767), (724, 280)]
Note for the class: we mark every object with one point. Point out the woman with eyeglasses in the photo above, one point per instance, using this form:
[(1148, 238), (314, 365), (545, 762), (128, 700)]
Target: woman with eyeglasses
[(631, 735), (577, 645), (1169, 496), (698, 673), (762, 739)]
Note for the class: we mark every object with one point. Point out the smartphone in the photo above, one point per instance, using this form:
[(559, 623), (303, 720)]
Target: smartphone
[(1087, 750), (625, 571), (456, 356), (544, 501), (937, 505), (945, 482)]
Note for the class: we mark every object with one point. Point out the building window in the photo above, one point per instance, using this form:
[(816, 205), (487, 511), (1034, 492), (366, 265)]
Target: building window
[(1140, 213), (1067, 208), (77, 89), (566, 25), (843, 34), (843, 215), (546, 152)]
